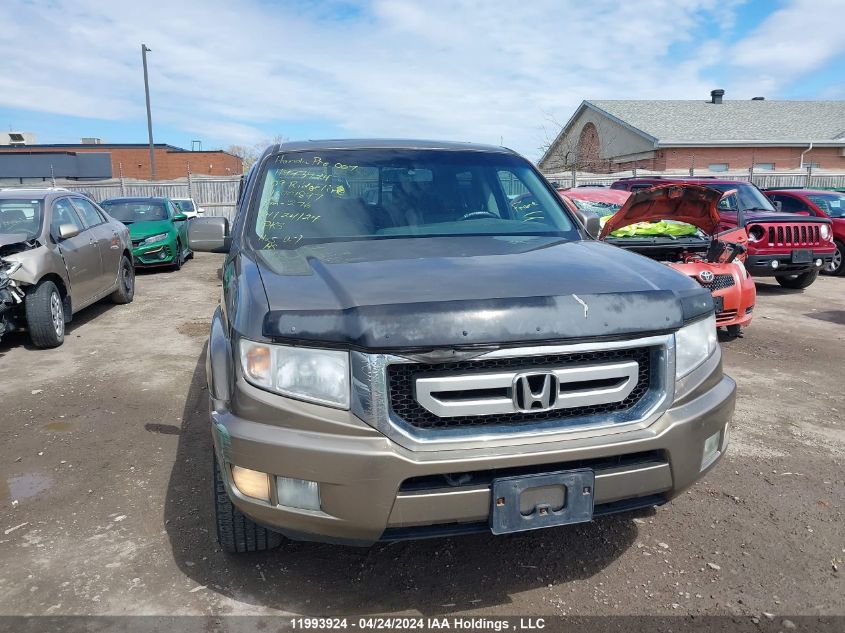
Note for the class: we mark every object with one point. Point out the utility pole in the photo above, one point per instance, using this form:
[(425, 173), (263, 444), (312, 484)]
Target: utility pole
[(144, 51)]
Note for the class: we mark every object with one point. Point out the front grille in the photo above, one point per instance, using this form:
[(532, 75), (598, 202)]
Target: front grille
[(793, 235), (720, 282), (726, 315), (401, 378)]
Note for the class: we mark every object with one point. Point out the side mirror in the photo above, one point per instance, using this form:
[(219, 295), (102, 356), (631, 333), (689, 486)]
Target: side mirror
[(67, 231), (593, 226), (209, 235), (180, 217)]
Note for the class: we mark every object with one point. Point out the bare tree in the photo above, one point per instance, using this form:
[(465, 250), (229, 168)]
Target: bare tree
[(250, 153)]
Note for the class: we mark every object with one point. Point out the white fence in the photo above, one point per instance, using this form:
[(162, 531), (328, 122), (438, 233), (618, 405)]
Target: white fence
[(216, 195), (763, 179)]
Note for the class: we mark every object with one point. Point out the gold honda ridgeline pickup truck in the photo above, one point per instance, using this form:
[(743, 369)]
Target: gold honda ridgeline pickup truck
[(419, 339)]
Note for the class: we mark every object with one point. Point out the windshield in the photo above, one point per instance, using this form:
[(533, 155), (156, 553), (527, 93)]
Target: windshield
[(746, 198), (377, 194), (129, 211), (601, 209), (21, 216), (184, 205), (833, 204)]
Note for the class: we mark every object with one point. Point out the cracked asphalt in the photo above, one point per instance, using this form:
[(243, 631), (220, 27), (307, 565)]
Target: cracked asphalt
[(105, 490)]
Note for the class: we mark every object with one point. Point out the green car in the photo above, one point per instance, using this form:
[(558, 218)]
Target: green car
[(158, 229)]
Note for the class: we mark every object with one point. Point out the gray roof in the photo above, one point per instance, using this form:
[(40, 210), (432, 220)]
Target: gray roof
[(670, 122)]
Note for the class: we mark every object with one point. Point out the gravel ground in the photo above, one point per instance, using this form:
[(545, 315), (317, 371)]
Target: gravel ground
[(105, 490)]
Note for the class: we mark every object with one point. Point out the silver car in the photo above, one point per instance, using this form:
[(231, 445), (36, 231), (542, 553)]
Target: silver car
[(59, 253)]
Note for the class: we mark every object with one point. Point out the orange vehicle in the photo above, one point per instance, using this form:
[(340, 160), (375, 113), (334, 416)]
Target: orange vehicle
[(649, 223)]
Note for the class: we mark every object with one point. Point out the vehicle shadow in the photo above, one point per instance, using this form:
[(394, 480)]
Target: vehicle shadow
[(18, 339), (775, 288), (437, 576)]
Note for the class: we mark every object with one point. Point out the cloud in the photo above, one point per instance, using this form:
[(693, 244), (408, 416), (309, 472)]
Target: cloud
[(796, 39), (472, 70)]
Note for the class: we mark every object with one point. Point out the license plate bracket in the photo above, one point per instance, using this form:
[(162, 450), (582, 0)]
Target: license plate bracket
[(802, 256), (719, 304), (530, 502)]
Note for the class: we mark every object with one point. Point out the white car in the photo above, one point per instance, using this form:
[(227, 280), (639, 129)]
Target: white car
[(188, 207)]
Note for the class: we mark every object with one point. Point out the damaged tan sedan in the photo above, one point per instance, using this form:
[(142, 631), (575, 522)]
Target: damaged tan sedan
[(59, 253)]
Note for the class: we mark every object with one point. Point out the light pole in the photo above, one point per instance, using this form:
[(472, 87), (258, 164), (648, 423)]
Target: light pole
[(144, 51)]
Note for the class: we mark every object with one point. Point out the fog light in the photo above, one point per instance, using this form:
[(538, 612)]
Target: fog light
[(162, 255), (818, 262), (711, 449), (251, 483), (775, 263), (298, 493)]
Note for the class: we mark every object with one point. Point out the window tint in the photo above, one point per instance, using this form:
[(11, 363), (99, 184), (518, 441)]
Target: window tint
[(64, 213), (790, 204), (90, 216), (376, 194), (20, 216)]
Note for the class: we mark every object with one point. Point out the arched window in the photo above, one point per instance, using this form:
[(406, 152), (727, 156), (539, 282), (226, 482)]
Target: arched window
[(588, 148)]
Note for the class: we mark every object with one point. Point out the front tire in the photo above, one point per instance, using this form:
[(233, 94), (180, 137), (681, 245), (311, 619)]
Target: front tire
[(797, 281), (836, 267), (125, 283), (179, 259), (236, 532), (45, 315)]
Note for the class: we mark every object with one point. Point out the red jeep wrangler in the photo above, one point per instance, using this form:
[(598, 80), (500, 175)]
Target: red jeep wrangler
[(780, 245)]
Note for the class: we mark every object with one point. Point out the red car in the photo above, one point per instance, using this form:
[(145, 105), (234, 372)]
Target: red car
[(712, 259), (822, 204), (779, 245)]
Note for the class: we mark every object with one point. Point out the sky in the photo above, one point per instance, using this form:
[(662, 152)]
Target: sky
[(245, 71)]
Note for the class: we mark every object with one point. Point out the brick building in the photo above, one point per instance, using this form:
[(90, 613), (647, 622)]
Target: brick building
[(707, 136), (132, 160)]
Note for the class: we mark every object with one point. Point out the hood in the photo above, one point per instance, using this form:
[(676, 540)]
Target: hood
[(424, 293), (692, 204), (7, 239), (143, 230)]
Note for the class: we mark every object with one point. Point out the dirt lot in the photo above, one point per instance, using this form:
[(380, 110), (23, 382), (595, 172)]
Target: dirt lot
[(105, 490)]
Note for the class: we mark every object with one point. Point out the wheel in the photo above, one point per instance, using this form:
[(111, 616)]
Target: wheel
[(125, 284), (45, 315), (236, 532), (179, 259), (733, 331), (797, 281), (835, 267)]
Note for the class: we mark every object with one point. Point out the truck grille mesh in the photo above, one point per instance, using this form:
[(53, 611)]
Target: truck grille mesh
[(720, 282), (401, 377)]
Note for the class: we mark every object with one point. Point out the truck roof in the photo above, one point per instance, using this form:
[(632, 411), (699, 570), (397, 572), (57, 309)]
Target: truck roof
[(387, 143)]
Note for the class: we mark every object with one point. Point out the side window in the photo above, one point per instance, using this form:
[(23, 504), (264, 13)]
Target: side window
[(90, 215), (788, 204), (64, 213)]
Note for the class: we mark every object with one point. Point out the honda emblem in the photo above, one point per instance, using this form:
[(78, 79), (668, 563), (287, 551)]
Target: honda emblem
[(535, 391)]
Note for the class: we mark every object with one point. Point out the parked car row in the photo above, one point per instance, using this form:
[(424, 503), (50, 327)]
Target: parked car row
[(721, 232), (61, 252)]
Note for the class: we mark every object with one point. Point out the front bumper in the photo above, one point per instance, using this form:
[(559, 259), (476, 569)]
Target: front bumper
[(372, 488), (761, 265), (158, 254)]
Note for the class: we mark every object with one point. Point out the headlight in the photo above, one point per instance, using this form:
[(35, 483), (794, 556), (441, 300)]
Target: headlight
[(756, 233), (156, 238), (824, 231), (694, 344), (315, 375)]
